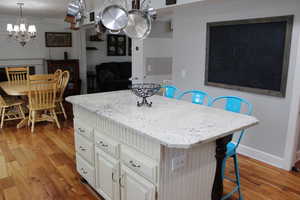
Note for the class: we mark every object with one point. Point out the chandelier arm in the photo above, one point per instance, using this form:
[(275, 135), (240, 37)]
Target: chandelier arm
[(21, 11)]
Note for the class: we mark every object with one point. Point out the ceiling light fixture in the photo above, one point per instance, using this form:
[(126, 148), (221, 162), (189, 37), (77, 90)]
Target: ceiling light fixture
[(21, 32)]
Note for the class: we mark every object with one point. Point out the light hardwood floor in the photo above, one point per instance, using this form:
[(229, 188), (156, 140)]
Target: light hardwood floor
[(41, 166)]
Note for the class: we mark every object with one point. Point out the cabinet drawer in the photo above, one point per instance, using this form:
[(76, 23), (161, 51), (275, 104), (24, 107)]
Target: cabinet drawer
[(140, 163), (85, 170), (107, 145), (85, 148), (84, 131)]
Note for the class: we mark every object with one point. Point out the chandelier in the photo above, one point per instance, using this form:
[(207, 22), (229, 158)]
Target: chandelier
[(21, 32)]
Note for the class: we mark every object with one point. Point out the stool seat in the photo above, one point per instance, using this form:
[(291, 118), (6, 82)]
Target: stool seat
[(230, 149), (170, 91), (197, 97)]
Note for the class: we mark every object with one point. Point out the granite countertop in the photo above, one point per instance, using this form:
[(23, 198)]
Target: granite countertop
[(174, 123)]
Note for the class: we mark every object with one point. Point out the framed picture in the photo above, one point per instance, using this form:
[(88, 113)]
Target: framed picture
[(58, 39), (129, 46), (171, 2), (116, 45)]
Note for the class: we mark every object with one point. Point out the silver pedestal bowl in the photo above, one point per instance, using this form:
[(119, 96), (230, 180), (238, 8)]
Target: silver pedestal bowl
[(145, 90)]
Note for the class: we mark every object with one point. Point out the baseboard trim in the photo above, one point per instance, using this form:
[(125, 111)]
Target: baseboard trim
[(261, 156)]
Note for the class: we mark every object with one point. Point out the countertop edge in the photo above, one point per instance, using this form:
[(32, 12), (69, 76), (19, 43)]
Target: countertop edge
[(161, 142)]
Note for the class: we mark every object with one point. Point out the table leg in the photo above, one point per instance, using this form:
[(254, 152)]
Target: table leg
[(221, 149), (23, 123)]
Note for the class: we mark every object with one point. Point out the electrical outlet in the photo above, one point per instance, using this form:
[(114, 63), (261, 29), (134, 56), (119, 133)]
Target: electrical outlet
[(178, 162)]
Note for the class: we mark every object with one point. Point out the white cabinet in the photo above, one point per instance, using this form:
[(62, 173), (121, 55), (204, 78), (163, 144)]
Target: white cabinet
[(85, 148), (134, 186), (85, 170), (107, 175)]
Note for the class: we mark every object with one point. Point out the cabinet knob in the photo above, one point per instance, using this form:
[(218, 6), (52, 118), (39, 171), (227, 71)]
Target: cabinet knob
[(113, 177), (83, 171)]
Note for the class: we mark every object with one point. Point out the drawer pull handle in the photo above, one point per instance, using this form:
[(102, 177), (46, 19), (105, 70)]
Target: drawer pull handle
[(121, 181), (134, 165), (82, 148), (102, 144), (81, 130), (113, 177)]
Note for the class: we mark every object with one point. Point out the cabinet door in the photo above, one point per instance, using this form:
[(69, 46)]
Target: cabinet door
[(107, 176), (134, 186)]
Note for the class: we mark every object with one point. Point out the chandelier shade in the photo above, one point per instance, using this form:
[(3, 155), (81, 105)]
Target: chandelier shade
[(21, 32)]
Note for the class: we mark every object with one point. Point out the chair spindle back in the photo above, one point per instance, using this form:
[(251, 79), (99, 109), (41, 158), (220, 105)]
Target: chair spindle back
[(42, 91), (17, 73), (62, 83)]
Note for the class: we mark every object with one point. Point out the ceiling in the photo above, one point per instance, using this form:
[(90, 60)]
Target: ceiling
[(35, 8), (52, 8)]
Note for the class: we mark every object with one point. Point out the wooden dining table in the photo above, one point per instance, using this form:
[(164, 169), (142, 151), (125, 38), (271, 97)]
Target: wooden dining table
[(16, 88)]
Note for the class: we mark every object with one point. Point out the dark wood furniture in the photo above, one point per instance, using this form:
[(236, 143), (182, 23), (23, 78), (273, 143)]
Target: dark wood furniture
[(74, 85), (91, 82), (113, 76)]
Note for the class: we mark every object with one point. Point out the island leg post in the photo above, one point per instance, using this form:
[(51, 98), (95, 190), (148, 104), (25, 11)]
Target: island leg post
[(221, 148)]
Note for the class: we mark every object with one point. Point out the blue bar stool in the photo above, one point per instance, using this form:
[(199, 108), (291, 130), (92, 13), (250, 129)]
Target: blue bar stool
[(198, 97), (233, 104), (170, 91)]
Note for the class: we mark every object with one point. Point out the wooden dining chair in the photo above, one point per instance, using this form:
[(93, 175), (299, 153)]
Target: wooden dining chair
[(58, 72), (17, 73), (42, 98), (10, 109), (62, 85)]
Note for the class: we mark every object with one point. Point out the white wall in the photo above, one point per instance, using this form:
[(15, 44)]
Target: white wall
[(267, 140), (158, 45), (36, 48), (10, 49), (99, 56), (157, 48)]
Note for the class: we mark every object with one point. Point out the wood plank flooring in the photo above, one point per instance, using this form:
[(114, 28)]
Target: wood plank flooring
[(41, 166)]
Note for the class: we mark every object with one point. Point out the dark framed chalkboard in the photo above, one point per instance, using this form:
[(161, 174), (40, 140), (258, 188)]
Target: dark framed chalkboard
[(249, 55)]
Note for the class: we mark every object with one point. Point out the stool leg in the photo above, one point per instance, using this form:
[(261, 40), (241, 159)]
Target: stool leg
[(237, 175)]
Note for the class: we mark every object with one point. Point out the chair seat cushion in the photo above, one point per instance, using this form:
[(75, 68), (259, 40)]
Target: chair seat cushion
[(230, 149)]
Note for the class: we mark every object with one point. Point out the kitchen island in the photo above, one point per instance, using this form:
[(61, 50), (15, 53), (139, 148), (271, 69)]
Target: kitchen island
[(172, 151)]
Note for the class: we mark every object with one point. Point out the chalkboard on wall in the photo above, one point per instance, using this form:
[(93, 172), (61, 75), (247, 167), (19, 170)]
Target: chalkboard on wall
[(249, 55)]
